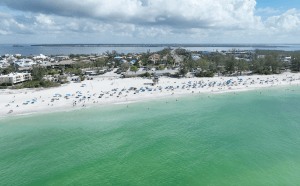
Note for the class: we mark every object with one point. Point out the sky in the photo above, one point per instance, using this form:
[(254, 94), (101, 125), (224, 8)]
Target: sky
[(149, 21)]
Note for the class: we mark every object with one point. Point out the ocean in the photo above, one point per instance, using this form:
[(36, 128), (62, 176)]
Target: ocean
[(244, 138), (27, 50)]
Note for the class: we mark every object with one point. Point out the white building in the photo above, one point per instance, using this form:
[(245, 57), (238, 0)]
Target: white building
[(15, 78), (18, 55), (41, 57), (24, 63), (195, 57), (11, 59)]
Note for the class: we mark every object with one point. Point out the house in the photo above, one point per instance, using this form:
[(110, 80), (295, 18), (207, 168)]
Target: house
[(195, 57), (3, 62), (24, 63), (11, 59), (287, 59), (261, 57), (123, 61), (41, 56), (132, 62), (18, 55), (59, 58), (15, 78), (118, 57), (154, 58)]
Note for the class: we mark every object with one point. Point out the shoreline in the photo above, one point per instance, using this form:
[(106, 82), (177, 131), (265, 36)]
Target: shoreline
[(98, 86)]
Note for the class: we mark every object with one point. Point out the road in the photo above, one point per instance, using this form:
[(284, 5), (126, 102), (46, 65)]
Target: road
[(176, 57)]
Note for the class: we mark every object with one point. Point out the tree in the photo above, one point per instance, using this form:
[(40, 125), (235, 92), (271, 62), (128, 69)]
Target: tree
[(133, 69), (203, 64), (183, 70), (242, 65), (230, 64), (38, 73), (170, 60), (161, 67), (295, 63), (100, 62), (124, 66)]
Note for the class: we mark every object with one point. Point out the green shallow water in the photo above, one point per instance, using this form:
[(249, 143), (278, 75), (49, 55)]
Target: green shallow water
[(246, 138)]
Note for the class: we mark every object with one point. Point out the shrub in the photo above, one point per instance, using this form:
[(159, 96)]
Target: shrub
[(147, 74), (204, 74)]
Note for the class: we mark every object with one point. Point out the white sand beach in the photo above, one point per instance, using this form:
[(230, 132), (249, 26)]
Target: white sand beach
[(112, 90)]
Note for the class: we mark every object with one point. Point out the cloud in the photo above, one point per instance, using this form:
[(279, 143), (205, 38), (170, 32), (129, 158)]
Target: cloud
[(287, 22), (178, 13), (267, 10), (145, 21)]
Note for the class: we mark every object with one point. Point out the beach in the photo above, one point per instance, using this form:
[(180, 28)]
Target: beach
[(107, 90)]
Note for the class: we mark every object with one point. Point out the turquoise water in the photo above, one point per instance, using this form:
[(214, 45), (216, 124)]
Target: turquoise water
[(247, 138)]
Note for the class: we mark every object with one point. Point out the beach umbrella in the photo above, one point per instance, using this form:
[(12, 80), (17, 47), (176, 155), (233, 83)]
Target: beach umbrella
[(68, 94), (28, 101), (56, 94), (34, 100)]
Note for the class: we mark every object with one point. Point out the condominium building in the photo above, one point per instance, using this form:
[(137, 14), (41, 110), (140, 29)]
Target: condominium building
[(15, 78)]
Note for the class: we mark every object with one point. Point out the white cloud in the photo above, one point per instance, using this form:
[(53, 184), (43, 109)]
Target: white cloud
[(148, 20), (267, 10), (288, 21)]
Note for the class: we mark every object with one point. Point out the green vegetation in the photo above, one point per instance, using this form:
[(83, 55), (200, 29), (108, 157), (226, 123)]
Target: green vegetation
[(204, 74), (161, 67), (133, 69), (146, 74), (9, 69)]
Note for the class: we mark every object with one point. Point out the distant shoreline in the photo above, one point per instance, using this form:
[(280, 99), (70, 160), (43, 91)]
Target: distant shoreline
[(156, 45)]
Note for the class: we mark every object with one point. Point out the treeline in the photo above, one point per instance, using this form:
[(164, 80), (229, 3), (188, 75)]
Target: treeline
[(270, 63)]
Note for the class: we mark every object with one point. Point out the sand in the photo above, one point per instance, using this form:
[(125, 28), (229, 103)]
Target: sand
[(103, 85)]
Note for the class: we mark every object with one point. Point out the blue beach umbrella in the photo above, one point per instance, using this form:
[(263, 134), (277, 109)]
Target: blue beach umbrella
[(56, 94), (28, 101)]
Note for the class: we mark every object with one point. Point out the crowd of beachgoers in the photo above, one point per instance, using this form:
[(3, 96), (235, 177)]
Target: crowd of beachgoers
[(103, 91)]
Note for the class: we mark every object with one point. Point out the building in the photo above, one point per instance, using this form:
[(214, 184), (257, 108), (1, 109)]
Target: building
[(59, 58), (24, 63), (15, 78), (195, 57), (41, 56)]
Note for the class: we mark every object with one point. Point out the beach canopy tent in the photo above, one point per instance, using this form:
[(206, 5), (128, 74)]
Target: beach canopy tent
[(150, 89), (68, 94), (143, 90), (34, 100)]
